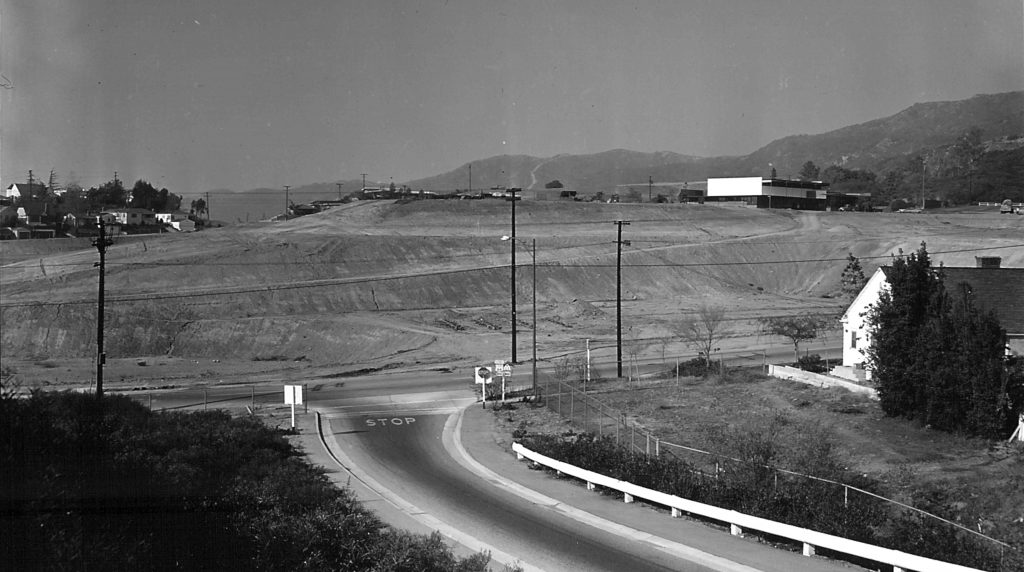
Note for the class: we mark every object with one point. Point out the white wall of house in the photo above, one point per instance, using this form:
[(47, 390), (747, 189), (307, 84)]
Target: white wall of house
[(856, 338)]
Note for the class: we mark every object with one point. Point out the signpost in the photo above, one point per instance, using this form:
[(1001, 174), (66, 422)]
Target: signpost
[(293, 397), (482, 376), (504, 369)]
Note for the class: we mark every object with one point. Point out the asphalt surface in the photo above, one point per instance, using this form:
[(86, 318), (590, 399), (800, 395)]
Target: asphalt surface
[(435, 470)]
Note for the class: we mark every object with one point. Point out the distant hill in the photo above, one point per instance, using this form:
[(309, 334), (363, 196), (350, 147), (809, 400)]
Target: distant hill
[(876, 145), (869, 145)]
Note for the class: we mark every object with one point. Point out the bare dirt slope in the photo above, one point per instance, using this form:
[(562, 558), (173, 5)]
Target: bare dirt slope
[(382, 284)]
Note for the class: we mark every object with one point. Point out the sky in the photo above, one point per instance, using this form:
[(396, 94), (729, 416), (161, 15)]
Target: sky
[(195, 95)]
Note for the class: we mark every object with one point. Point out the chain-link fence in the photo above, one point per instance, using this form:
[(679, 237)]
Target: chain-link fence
[(587, 413)]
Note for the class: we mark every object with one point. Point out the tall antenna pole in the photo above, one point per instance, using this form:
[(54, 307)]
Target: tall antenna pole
[(618, 296), (101, 243), (286, 201)]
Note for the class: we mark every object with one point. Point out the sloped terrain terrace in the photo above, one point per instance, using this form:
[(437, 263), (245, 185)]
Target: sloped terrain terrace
[(383, 284)]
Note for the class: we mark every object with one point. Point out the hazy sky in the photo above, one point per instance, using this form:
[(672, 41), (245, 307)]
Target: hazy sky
[(194, 95)]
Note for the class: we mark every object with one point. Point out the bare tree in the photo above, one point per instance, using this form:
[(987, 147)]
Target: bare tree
[(705, 330), (796, 328)]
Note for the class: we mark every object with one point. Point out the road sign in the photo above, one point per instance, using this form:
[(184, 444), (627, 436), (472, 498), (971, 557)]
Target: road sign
[(293, 395), (502, 368), (483, 375)]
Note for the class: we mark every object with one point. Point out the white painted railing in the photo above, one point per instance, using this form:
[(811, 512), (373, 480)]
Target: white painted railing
[(811, 540)]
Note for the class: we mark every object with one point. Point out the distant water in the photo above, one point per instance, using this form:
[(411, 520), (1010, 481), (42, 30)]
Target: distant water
[(253, 206)]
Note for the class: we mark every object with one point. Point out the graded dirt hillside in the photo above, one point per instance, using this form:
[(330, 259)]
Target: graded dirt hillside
[(379, 284)]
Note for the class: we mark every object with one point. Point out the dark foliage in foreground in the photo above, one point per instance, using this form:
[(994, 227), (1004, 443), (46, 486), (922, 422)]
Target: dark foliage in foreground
[(108, 485)]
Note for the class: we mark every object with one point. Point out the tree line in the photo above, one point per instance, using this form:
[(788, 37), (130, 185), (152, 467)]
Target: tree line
[(109, 195), (967, 170)]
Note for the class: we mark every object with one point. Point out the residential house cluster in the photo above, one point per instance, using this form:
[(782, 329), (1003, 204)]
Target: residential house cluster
[(27, 212)]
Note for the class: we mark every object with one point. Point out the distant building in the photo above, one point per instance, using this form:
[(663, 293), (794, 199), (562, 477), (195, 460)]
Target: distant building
[(770, 193), (134, 216), (24, 190)]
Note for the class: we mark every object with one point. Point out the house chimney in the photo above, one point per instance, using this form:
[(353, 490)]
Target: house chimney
[(987, 261)]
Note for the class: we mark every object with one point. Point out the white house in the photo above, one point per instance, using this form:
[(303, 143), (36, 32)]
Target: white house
[(994, 288), (177, 220), (856, 336)]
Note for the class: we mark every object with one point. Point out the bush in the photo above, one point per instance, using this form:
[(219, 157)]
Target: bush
[(107, 484), (751, 485), (812, 363)]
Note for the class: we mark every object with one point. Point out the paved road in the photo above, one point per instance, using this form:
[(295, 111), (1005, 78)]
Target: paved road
[(399, 439)]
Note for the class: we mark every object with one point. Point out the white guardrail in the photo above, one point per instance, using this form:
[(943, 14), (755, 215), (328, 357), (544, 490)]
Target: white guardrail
[(900, 561)]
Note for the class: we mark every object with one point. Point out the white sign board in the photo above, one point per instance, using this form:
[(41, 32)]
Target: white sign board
[(482, 374), (293, 395), (502, 368)]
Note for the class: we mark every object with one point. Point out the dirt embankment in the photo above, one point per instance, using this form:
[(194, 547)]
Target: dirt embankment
[(428, 282)]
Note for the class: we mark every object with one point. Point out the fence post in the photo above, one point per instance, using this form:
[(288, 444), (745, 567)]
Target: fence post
[(204, 400), (632, 437), (252, 396), (572, 405), (657, 447), (648, 450), (151, 401), (846, 496)]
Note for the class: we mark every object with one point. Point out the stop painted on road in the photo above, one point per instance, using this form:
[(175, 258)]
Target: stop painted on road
[(386, 421)]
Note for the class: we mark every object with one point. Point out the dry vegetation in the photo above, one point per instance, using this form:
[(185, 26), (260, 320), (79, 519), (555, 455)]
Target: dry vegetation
[(380, 285)]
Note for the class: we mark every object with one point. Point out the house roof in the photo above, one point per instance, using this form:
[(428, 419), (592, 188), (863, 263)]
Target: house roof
[(997, 289)]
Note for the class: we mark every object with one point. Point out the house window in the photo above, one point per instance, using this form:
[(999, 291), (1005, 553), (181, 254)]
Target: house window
[(853, 339)]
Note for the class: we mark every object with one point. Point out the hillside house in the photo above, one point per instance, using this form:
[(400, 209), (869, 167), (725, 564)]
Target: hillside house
[(994, 288), (177, 220), (134, 216), (23, 190)]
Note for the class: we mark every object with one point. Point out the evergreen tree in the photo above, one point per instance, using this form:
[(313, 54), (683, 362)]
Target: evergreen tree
[(937, 357), (896, 321), (852, 279)]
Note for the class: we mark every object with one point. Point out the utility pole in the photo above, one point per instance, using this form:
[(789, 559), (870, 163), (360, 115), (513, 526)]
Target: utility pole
[(364, 182), (339, 190), (512, 244), (286, 201), (471, 192), (618, 296), (650, 185), (207, 205), (101, 243), (533, 256)]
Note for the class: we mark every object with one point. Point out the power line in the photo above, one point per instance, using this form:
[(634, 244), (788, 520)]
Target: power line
[(322, 283)]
